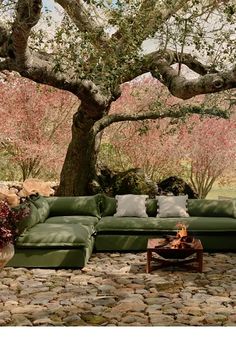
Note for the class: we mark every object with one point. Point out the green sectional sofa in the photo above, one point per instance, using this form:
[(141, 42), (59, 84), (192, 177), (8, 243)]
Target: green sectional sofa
[(64, 231), (58, 233)]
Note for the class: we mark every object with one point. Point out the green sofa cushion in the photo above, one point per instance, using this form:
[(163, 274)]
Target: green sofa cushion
[(108, 206), (151, 206), (56, 235), (42, 205), (211, 208), (32, 219), (85, 220), (196, 207), (52, 257), (153, 224), (74, 205)]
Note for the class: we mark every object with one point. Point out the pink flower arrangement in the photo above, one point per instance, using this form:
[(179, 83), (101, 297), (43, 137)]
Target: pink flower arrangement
[(9, 220)]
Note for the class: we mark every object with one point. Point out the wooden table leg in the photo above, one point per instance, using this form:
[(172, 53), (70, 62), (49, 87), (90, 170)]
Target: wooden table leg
[(200, 260), (149, 257)]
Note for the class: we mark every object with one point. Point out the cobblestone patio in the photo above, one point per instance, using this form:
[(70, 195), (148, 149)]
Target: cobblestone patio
[(114, 290)]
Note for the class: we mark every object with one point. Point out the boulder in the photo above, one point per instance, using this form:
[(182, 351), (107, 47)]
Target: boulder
[(33, 186), (132, 181), (176, 186), (12, 199), (105, 183)]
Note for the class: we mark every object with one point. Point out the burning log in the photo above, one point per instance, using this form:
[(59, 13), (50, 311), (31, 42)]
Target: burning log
[(181, 240)]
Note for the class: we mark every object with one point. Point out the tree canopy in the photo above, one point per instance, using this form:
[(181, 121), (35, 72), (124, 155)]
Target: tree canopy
[(98, 45)]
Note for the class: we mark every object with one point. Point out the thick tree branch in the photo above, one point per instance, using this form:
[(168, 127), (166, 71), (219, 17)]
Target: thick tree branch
[(172, 57), (43, 72), (31, 65), (195, 65), (27, 16), (83, 16), (151, 62), (183, 88), (175, 112)]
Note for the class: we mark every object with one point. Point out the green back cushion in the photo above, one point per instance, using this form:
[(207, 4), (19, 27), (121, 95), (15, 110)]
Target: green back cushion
[(42, 205), (109, 206), (196, 207), (151, 207), (29, 221), (211, 208), (74, 205)]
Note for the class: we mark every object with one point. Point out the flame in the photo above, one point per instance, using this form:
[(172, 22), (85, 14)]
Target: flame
[(182, 231)]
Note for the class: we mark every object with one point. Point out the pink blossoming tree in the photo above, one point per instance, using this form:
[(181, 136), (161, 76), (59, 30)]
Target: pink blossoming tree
[(35, 126), (207, 151)]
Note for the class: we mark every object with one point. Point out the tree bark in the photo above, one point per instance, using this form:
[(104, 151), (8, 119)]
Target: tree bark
[(79, 168)]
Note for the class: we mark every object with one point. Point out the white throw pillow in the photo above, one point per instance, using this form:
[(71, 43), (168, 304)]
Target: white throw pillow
[(172, 206), (131, 205)]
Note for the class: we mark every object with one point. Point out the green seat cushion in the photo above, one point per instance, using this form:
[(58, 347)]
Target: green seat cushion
[(153, 224), (42, 205), (211, 208), (74, 205), (85, 220), (56, 235)]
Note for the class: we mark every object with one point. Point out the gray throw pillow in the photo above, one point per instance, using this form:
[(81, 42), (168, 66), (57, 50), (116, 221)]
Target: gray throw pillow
[(172, 206), (131, 205)]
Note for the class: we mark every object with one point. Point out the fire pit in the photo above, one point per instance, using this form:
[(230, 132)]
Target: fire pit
[(175, 250)]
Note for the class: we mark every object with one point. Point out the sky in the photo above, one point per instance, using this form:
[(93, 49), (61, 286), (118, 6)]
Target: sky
[(49, 4)]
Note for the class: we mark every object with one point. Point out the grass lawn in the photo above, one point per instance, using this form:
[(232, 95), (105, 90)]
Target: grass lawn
[(227, 190)]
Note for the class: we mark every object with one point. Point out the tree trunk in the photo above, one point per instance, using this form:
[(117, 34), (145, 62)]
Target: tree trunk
[(79, 168)]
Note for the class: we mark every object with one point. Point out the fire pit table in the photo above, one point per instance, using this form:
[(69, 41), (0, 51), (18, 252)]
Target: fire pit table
[(168, 256)]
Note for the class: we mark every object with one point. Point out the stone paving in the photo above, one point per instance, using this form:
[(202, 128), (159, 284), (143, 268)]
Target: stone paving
[(114, 290)]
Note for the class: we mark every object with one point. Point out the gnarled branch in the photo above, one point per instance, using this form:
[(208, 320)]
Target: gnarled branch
[(184, 88), (195, 65), (27, 16), (178, 111), (81, 14), (34, 66)]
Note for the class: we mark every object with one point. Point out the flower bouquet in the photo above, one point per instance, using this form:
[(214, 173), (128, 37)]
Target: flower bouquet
[(9, 220)]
